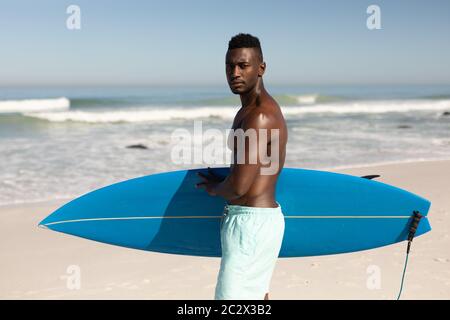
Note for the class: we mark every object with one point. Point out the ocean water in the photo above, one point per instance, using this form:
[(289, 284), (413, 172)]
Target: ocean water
[(58, 143)]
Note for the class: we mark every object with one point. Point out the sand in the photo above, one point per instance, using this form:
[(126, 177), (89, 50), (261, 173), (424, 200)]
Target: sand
[(40, 264)]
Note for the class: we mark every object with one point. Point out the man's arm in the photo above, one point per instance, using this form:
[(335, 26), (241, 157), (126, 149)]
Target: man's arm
[(242, 175)]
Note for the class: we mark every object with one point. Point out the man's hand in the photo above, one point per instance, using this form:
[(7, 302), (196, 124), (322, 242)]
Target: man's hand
[(209, 182)]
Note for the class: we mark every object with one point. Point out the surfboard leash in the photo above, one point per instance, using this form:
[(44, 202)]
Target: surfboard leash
[(412, 231)]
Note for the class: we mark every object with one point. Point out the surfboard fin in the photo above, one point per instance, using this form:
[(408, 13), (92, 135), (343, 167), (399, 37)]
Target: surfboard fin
[(372, 176)]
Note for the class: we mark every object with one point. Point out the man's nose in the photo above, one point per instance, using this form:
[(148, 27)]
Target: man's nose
[(235, 72)]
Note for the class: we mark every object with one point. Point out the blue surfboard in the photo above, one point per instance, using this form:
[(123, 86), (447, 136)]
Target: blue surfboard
[(325, 213)]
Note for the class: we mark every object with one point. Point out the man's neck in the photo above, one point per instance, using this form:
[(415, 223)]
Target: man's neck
[(253, 96)]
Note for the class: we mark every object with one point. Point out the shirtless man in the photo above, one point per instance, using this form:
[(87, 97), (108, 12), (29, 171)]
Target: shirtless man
[(253, 224)]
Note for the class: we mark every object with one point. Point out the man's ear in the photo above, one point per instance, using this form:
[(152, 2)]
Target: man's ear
[(262, 69)]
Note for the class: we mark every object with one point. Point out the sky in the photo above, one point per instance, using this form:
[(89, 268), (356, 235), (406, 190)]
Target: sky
[(184, 42)]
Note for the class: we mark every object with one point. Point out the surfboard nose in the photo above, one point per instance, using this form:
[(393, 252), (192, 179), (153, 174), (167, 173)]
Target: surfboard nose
[(43, 223), (52, 217)]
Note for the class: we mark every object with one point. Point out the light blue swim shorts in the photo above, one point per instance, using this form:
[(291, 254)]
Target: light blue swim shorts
[(251, 240)]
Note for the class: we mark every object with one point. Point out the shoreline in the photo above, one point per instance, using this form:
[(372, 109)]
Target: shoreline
[(38, 263), (380, 164)]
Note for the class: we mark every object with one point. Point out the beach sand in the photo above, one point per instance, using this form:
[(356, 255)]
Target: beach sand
[(35, 262)]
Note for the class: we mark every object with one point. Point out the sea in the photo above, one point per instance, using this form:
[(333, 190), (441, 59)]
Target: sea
[(61, 142)]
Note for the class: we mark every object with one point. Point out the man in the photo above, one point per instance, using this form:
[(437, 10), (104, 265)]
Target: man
[(253, 224)]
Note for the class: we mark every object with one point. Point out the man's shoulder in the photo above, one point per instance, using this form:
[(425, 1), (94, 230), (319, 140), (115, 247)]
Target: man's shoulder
[(262, 116)]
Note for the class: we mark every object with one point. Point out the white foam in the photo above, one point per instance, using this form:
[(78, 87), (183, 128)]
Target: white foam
[(307, 98), (136, 115), (228, 112), (34, 105), (371, 107)]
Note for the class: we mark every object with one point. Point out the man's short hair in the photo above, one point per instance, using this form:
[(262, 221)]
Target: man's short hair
[(245, 40)]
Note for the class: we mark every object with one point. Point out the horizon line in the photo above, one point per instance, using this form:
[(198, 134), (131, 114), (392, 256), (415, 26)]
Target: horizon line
[(195, 85)]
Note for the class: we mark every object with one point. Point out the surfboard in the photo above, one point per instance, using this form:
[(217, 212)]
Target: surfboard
[(325, 213)]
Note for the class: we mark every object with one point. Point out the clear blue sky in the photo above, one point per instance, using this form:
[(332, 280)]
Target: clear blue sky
[(184, 42)]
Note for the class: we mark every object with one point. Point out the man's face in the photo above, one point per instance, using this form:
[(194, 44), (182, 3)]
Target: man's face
[(242, 69)]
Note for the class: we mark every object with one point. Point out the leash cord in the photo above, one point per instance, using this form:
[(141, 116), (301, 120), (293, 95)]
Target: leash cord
[(403, 276)]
